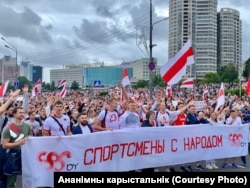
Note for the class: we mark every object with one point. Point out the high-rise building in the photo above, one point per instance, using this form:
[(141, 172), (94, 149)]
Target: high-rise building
[(30, 71), (8, 69), (181, 24), (229, 37), (37, 73), (26, 70), (197, 20)]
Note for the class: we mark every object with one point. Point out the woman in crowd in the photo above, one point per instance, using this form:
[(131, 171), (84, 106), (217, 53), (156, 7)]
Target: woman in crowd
[(149, 122), (211, 164)]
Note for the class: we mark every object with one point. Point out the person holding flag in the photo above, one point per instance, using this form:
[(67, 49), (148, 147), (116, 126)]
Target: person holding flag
[(221, 98), (37, 88)]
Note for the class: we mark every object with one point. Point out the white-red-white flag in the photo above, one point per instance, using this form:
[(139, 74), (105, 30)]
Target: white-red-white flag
[(61, 83), (3, 88), (37, 88), (221, 98), (63, 92), (188, 83), (205, 94), (168, 91), (173, 71), (125, 78)]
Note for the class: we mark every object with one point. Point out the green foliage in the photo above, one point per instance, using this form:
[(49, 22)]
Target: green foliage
[(53, 86), (238, 91), (141, 84), (103, 93), (46, 86), (211, 77), (228, 74), (23, 80), (199, 81), (74, 85), (246, 71), (157, 81)]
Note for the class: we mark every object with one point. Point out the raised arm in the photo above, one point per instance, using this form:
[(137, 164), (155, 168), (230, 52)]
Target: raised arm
[(9, 101)]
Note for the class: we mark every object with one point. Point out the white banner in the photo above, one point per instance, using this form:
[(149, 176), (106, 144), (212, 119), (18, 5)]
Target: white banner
[(129, 149)]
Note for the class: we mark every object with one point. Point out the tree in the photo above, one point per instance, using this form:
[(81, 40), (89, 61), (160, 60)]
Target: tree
[(74, 85), (228, 73), (23, 80), (53, 86), (46, 86), (211, 77), (141, 84), (157, 81), (246, 71)]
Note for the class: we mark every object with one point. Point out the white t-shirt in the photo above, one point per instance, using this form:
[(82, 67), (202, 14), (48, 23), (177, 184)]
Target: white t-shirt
[(34, 125), (129, 119), (111, 120), (166, 118), (85, 129), (237, 121), (51, 125)]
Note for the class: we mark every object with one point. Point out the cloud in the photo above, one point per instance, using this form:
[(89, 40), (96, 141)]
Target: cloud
[(92, 31), (25, 25)]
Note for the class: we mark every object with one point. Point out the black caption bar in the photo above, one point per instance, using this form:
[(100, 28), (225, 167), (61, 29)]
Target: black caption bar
[(122, 179)]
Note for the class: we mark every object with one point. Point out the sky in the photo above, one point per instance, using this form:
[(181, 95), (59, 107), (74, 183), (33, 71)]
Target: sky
[(53, 33)]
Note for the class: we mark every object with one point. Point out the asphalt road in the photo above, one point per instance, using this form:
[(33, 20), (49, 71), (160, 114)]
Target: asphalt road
[(219, 162)]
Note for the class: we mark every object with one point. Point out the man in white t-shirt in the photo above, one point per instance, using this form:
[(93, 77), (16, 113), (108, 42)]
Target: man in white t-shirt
[(130, 117), (165, 117), (108, 118), (51, 127)]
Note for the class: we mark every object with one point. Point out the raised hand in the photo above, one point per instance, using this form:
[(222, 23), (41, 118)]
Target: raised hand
[(15, 93), (25, 88)]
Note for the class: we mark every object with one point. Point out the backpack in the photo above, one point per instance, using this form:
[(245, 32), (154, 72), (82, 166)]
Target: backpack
[(104, 118), (156, 115)]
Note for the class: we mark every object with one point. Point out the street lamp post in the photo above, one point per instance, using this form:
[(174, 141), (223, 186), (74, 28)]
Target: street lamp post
[(10, 46), (150, 54), (151, 64)]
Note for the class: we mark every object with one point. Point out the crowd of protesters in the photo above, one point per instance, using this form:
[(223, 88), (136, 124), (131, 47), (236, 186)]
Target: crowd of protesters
[(87, 111)]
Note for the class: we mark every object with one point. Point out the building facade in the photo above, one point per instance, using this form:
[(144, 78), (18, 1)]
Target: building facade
[(26, 70), (30, 71), (141, 70), (229, 38), (9, 69), (107, 76), (195, 19), (71, 74)]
